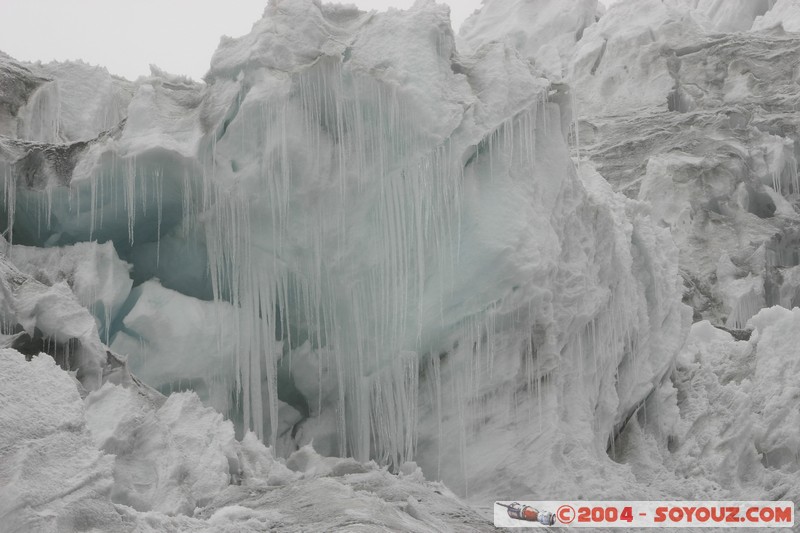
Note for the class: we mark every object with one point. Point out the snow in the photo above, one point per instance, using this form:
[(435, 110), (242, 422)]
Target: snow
[(535, 29), (58, 111), (171, 459), (50, 318), (368, 253), (725, 16), (734, 387), (128, 459), (48, 459), (785, 15)]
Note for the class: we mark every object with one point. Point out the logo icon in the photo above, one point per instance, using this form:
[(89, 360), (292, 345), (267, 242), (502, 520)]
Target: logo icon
[(529, 514), (565, 514)]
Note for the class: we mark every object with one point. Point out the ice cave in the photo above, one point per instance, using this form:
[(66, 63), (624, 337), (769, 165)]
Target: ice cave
[(372, 274)]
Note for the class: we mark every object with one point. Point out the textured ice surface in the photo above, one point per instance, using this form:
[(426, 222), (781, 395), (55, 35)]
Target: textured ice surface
[(174, 342), (127, 459), (47, 458), (37, 317), (708, 137), (98, 278), (542, 31), (374, 244), (725, 424)]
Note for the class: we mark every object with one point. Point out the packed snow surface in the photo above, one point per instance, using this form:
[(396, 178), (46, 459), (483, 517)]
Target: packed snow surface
[(366, 252)]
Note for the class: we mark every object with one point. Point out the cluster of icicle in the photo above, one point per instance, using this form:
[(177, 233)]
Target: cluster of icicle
[(333, 146), (369, 322), (269, 244)]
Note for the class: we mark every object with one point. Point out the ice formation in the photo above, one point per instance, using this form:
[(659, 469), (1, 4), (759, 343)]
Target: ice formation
[(366, 238), (128, 459), (702, 126)]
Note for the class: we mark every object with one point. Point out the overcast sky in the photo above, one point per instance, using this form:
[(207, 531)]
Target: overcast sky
[(126, 36)]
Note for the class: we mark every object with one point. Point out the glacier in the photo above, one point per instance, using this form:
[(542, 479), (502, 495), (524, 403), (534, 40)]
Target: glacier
[(406, 273)]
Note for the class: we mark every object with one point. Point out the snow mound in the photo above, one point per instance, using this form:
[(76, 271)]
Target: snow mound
[(127, 459), (53, 477)]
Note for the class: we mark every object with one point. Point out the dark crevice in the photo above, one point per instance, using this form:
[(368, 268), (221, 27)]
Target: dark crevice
[(64, 353), (599, 57), (289, 393), (738, 334)]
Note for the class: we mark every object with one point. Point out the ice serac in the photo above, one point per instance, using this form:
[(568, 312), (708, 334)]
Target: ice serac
[(46, 315), (724, 424), (723, 15), (60, 102), (99, 279), (83, 181), (784, 15), (411, 266), (175, 342), (419, 223), (544, 32), (710, 141)]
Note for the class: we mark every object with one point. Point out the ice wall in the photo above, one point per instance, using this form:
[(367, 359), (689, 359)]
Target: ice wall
[(454, 252), (415, 267), (682, 108), (724, 424)]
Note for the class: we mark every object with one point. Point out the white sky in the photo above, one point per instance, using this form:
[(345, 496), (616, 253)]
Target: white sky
[(126, 36)]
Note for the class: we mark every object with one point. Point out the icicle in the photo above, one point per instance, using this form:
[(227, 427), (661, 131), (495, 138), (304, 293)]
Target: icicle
[(10, 190), (368, 327), (130, 195), (575, 125)]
